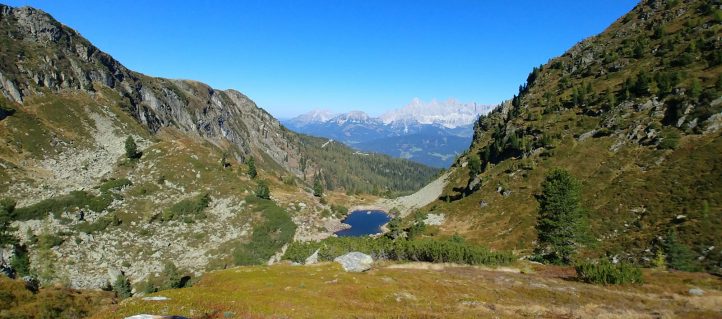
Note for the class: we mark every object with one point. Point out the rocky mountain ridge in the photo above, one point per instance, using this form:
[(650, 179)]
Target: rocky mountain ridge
[(44, 57)]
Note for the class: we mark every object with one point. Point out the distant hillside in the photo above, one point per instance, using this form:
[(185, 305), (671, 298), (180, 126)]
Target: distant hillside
[(429, 133), (635, 113)]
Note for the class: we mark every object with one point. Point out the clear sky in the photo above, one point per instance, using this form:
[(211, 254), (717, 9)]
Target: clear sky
[(371, 55)]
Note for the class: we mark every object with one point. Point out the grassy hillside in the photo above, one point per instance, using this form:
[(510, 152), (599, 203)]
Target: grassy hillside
[(635, 114), (425, 291)]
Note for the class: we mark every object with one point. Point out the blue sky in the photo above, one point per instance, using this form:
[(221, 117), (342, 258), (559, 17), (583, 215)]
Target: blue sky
[(371, 55)]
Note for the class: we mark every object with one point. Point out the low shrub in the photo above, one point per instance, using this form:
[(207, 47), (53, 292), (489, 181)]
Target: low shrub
[(97, 226), (188, 209), (115, 184), (429, 250), (607, 273), (276, 229), (669, 141), (58, 205)]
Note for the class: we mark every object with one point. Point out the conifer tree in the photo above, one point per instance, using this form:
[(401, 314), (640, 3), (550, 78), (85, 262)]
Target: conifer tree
[(122, 287), (561, 224), (7, 214), (474, 165), (317, 186), (251, 167), (679, 256)]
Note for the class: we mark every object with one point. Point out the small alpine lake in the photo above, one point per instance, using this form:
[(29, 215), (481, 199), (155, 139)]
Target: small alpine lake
[(364, 222)]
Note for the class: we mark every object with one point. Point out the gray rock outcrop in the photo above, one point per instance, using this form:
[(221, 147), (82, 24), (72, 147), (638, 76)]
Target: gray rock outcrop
[(355, 261)]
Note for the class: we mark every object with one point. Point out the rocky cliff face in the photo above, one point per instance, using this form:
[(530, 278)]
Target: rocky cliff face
[(42, 56)]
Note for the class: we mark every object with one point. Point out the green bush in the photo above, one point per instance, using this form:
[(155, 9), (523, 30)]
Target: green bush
[(99, 225), (172, 277), (114, 184), (131, 149), (269, 236), (339, 210), (188, 209), (262, 190), (670, 140), (47, 241), (607, 273), (58, 205), (429, 250)]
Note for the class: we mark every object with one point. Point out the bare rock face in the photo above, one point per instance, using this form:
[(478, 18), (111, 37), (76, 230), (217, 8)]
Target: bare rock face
[(355, 262), (219, 116)]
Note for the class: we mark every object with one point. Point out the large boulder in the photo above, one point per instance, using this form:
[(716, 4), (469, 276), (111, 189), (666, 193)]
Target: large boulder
[(355, 261)]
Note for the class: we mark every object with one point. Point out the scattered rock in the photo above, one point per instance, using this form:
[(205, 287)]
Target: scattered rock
[(696, 292), (483, 204), (404, 296), (434, 219), (476, 182), (156, 298), (355, 261), (313, 258), (470, 303), (586, 135), (32, 284)]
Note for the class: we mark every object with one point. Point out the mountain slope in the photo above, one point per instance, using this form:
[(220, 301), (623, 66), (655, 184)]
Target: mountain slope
[(635, 114), (86, 213), (44, 57)]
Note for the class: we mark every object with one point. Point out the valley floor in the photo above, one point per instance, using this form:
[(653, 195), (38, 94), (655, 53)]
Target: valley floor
[(428, 291)]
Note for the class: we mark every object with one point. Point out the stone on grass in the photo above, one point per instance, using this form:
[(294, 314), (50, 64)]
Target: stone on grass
[(313, 258), (696, 292), (156, 298), (355, 261)]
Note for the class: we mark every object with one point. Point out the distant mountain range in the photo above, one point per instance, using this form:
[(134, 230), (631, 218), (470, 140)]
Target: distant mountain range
[(431, 133)]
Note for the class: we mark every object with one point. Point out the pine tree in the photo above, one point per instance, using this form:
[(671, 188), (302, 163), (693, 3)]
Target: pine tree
[(474, 165), (21, 260), (561, 224), (317, 186), (122, 287), (131, 149), (251, 168), (679, 256), (7, 214)]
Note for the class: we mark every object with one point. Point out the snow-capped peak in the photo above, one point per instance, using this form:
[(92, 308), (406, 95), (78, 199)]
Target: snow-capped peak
[(315, 116), (450, 113), (352, 117)]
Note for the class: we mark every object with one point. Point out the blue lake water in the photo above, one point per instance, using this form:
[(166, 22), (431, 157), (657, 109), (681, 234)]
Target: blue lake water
[(364, 222)]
